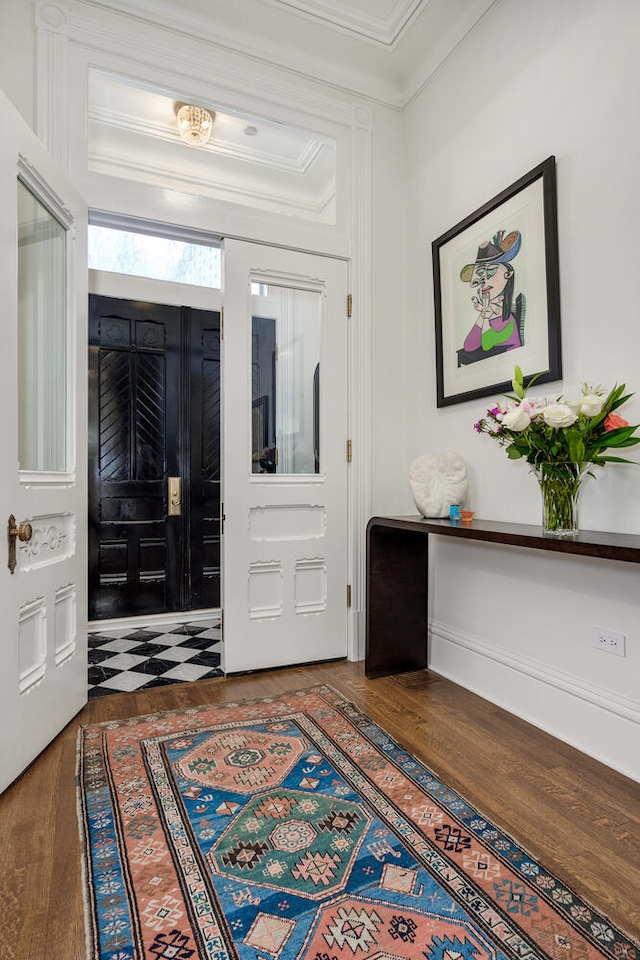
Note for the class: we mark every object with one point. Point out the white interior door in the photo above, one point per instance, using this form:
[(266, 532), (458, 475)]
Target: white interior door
[(43, 644), (284, 370)]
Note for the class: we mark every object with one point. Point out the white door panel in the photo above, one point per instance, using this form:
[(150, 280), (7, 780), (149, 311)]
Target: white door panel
[(284, 457), (43, 644)]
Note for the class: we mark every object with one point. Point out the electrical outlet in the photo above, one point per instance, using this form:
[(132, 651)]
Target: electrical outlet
[(609, 641)]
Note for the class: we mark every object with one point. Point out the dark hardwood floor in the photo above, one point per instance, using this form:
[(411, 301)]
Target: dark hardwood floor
[(578, 817)]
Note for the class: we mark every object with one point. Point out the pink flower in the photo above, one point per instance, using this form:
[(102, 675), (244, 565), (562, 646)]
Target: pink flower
[(613, 422)]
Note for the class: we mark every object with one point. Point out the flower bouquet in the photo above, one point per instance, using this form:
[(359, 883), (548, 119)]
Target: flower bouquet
[(562, 440)]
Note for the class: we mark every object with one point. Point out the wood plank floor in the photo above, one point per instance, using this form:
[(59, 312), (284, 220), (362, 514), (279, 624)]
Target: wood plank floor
[(578, 817)]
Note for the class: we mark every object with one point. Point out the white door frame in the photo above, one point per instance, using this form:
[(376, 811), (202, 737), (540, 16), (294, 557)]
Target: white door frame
[(66, 47), (136, 287)]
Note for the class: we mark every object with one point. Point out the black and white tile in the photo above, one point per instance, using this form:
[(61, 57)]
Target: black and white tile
[(124, 660)]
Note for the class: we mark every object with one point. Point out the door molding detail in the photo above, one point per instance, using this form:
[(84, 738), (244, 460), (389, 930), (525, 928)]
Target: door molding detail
[(32, 644), (53, 539)]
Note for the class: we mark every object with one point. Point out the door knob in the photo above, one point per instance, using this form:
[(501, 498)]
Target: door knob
[(22, 532), (175, 496)]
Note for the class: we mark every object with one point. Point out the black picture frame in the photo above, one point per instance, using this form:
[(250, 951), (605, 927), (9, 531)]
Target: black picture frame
[(480, 333)]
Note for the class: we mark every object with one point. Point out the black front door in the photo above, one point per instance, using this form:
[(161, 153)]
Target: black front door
[(154, 414)]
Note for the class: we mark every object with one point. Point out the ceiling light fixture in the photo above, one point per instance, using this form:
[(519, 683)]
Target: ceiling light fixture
[(194, 124)]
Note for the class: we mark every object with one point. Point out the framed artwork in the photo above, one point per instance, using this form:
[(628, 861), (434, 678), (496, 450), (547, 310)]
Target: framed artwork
[(497, 295)]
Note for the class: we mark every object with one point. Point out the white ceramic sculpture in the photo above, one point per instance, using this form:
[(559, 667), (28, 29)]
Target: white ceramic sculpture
[(437, 481)]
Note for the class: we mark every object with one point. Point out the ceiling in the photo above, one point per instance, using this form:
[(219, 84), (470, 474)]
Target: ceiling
[(382, 50), (133, 135), (379, 21)]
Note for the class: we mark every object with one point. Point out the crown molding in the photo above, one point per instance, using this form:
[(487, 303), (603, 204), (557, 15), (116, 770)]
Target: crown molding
[(426, 33), (380, 31), (152, 25), (447, 42)]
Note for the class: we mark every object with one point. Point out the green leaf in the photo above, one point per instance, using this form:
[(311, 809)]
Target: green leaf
[(535, 377), (576, 446), (518, 383), (608, 459), (618, 403), (513, 453), (612, 437)]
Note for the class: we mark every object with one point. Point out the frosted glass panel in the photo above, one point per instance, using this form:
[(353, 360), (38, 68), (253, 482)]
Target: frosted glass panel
[(42, 338), (285, 380), (159, 258)]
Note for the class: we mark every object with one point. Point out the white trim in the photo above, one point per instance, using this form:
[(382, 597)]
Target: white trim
[(597, 696), (95, 25), (31, 178), (268, 200), (144, 40), (52, 73), (360, 363), (380, 31), (153, 620), (123, 286), (92, 24), (595, 728), (472, 12), (152, 228)]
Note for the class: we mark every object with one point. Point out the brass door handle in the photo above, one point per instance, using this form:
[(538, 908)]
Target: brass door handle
[(22, 532), (174, 496)]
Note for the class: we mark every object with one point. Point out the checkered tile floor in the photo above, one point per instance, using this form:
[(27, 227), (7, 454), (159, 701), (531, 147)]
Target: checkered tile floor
[(127, 660)]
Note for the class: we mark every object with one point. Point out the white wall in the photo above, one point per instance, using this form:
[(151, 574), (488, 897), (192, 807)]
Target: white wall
[(16, 55), (388, 424), (534, 80)]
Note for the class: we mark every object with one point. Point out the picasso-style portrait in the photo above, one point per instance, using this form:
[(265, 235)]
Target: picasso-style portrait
[(499, 323), (496, 292)]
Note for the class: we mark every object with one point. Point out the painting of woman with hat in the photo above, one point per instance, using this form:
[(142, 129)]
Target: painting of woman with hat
[(500, 322)]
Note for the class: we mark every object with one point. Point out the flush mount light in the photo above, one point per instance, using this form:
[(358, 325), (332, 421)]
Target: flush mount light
[(194, 123)]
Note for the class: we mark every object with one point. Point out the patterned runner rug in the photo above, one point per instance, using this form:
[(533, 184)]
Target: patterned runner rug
[(294, 827)]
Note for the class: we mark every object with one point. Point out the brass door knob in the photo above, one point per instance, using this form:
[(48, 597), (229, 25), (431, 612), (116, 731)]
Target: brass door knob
[(174, 496), (22, 532)]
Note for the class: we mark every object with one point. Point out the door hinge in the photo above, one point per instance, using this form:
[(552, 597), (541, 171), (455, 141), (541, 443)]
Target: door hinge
[(349, 451), (349, 304), (348, 594), (222, 324), (222, 519), (222, 624)]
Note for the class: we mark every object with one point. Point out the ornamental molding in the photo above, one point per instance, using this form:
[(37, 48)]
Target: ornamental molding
[(52, 540), (52, 16)]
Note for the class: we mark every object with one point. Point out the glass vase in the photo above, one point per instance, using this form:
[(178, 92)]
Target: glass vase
[(560, 484)]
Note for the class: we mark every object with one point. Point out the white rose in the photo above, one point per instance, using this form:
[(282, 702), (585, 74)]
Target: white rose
[(516, 419), (559, 415), (591, 405)]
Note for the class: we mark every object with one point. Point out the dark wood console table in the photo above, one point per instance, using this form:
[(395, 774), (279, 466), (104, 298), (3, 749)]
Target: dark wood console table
[(397, 569)]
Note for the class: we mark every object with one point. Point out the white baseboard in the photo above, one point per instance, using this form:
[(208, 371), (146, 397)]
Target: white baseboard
[(153, 620), (598, 721)]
